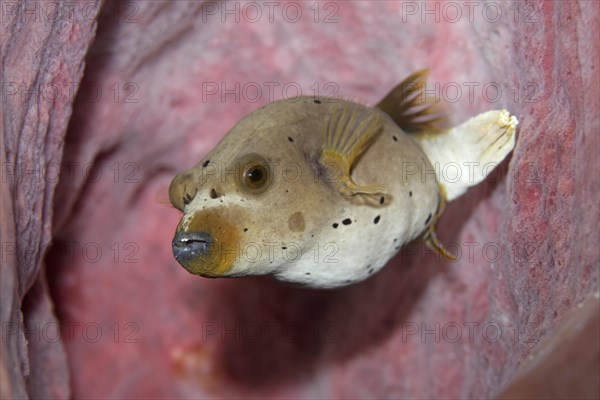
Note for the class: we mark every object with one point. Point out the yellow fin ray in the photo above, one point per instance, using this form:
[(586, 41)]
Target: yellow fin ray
[(430, 238), (434, 244), (348, 131)]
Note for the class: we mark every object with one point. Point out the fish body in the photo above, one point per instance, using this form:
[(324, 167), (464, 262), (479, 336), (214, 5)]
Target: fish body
[(323, 192)]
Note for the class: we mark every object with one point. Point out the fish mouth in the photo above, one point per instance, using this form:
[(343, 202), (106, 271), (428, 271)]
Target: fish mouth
[(193, 250), (190, 245), (206, 246)]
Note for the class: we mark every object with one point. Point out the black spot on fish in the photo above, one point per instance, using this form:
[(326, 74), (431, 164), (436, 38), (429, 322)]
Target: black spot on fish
[(410, 193), (205, 163), (395, 138), (395, 239), (370, 271), (245, 229), (368, 266), (347, 221), (335, 225), (284, 248), (290, 139), (308, 273), (397, 248), (317, 101), (428, 218), (376, 220), (213, 194), (381, 200)]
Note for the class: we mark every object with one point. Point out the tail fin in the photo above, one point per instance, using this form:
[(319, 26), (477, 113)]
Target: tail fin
[(464, 155)]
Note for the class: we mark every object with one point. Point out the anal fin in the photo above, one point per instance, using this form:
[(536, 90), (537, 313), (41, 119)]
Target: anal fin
[(430, 237)]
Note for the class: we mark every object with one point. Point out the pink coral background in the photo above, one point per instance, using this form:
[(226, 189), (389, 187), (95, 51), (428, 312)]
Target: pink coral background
[(136, 324)]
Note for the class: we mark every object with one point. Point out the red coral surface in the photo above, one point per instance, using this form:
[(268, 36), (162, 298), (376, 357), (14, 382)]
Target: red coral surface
[(164, 81)]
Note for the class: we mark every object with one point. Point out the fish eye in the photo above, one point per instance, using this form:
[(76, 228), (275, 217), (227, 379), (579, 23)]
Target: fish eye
[(256, 174)]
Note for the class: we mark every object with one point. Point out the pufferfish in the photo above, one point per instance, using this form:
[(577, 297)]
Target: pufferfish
[(323, 192)]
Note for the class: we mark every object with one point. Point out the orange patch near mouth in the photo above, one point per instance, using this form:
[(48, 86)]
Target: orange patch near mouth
[(223, 247)]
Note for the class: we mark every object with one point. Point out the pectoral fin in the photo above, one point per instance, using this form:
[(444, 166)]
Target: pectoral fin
[(347, 134)]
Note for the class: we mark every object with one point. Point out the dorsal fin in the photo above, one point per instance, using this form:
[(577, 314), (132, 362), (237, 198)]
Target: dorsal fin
[(411, 108)]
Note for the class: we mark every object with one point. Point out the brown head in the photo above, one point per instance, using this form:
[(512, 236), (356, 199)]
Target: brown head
[(254, 202)]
